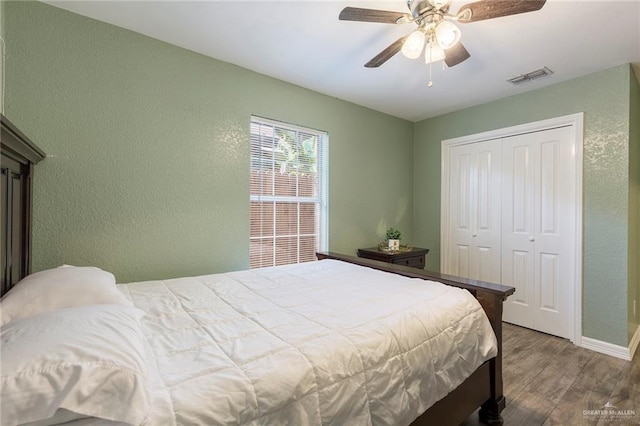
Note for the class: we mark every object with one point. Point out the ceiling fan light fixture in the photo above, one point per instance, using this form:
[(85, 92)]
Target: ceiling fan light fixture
[(413, 46), (447, 34), (433, 53)]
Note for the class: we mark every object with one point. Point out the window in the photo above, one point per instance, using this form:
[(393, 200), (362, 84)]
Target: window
[(288, 193)]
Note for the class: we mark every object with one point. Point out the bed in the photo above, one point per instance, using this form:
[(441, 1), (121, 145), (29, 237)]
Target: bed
[(342, 340), (337, 341)]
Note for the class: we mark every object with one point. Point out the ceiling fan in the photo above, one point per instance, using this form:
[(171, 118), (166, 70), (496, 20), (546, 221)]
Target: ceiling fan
[(436, 35)]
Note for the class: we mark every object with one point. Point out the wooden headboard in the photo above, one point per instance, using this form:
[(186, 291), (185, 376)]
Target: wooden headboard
[(19, 156)]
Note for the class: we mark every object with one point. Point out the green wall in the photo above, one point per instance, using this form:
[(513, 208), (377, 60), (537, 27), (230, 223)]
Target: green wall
[(604, 98), (147, 173), (634, 203)]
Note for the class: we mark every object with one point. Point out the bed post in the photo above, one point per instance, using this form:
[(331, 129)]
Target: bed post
[(491, 409)]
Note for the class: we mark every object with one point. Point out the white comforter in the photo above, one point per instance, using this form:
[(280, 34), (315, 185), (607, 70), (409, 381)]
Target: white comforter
[(318, 343)]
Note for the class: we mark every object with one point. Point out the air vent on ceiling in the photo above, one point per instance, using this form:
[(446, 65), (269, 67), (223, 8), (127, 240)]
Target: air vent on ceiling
[(533, 75)]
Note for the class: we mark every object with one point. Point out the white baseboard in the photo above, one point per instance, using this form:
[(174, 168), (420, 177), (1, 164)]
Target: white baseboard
[(617, 351)]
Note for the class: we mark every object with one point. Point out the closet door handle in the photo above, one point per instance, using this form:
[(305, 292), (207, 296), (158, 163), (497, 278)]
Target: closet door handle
[(474, 235), (531, 238)]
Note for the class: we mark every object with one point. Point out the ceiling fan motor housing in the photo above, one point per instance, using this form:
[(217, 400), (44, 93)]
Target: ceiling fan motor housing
[(426, 11), (418, 7)]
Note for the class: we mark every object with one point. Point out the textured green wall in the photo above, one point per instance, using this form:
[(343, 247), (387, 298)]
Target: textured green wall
[(147, 172), (634, 202), (604, 98)]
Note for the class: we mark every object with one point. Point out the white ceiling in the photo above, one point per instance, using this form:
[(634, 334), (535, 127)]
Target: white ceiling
[(304, 43)]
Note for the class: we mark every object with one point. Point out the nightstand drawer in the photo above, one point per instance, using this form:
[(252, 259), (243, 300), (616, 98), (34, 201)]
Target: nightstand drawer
[(414, 258), (415, 262)]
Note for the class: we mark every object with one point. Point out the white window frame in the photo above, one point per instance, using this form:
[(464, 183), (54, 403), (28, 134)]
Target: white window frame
[(322, 200)]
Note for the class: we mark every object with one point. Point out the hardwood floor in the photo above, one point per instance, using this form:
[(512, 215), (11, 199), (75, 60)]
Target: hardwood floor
[(549, 381)]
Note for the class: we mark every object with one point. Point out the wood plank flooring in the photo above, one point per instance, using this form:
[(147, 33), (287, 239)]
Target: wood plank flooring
[(549, 381)]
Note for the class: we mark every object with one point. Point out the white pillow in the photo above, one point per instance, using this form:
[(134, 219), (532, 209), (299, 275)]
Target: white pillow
[(89, 360), (59, 288)]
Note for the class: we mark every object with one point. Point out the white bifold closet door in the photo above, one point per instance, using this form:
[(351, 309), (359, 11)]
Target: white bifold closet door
[(474, 251), (538, 233), (511, 209)]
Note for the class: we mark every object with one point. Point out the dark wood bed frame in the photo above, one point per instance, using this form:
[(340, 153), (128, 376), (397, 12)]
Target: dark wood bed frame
[(484, 387)]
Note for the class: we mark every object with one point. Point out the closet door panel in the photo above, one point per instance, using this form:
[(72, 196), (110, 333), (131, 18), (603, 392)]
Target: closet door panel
[(549, 188), (474, 206), (461, 211), (518, 269), (548, 272), (485, 258), (538, 209), (547, 225), (518, 250), (520, 196), (555, 234), (461, 260)]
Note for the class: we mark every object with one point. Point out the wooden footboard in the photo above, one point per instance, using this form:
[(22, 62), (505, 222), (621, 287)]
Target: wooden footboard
[(484, 387)]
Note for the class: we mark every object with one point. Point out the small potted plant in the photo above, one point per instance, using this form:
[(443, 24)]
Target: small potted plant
[(393, 238)]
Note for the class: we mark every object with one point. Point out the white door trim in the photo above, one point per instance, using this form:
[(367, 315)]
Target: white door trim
[(576, 121)]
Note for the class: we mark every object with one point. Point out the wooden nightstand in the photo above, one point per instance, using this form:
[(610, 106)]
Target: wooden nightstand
[(415, 258)]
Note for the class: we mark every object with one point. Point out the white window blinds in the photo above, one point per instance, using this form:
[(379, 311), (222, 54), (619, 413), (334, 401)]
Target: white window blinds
[(288, 193)]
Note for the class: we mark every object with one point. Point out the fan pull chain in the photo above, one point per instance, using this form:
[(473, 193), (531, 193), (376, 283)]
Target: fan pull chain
[(430, 62)]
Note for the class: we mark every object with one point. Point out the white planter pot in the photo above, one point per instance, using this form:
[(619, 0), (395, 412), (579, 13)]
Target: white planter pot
[(394, 244)]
